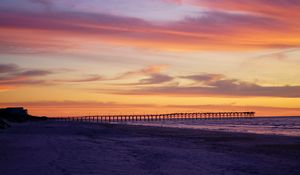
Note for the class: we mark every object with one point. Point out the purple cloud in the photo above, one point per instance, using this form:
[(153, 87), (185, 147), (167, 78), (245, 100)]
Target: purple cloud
[(13, 75), (90, 78), (217, 85), (204, 77), (8, 68), (33, 73), (155, 79)]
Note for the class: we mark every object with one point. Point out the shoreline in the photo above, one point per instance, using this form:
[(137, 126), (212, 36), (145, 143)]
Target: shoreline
[(90, 148), (222, 132), (285, 126), (209, 130)]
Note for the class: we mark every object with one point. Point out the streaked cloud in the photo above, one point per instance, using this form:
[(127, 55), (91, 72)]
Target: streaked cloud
[(212, 29), (217, 85), (8, 68), (156, 79), (12, 76), (152, 74), (274, 8), (89, 78), (33, 73), (204, 77), (148, 70)]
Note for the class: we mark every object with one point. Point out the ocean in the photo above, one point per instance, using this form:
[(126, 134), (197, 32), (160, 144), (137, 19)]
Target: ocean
[(289, 126)]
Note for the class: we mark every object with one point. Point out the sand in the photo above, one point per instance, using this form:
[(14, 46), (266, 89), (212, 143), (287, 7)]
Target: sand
[(42, 148)]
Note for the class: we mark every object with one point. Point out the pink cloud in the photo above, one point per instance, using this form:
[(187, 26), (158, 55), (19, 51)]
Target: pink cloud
[(210, 30)]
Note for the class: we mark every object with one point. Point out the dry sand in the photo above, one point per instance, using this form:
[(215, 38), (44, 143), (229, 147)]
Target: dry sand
[(43, 148)]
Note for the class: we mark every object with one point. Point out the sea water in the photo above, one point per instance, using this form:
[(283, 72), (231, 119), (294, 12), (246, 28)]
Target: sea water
[(289, 126)]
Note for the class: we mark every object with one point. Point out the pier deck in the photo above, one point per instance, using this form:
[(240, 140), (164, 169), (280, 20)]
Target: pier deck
[(155, 117)]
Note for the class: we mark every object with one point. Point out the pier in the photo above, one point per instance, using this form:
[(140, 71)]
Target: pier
[(157, 117)]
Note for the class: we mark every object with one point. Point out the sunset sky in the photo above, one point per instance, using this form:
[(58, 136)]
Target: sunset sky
[(86, 57)]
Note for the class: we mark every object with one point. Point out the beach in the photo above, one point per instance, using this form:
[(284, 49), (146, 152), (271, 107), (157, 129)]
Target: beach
[(87, 148)]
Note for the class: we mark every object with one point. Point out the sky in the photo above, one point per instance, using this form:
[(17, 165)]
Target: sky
[(78, 57)]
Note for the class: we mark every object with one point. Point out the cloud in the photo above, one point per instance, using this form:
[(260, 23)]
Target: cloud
[(148, 70), (8, 68), (15, 70), (212, 29), (217, 85), (286, 59), (152, 72), (155, 79), (75, 104), (204, 77), (279, 55), (46, 3), (13, 83), (89, 78), (275, 8), (33, 73), (12, 76)]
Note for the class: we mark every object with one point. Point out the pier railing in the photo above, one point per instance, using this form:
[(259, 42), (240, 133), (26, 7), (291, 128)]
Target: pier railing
[(157, 117)]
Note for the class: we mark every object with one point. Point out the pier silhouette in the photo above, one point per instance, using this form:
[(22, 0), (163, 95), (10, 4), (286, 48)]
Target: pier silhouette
[(157, 117)]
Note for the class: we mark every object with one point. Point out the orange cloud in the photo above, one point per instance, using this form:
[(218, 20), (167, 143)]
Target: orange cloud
[(210, 30), (275, 8)]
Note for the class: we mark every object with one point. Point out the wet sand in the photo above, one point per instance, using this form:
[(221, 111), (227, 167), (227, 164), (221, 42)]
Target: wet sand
[(60, 148)]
